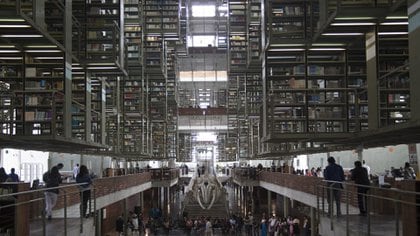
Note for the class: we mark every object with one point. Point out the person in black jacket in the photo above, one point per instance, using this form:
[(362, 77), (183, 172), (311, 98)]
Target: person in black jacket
[(334, 174), (84, 177), (360, 176), (52, 179)]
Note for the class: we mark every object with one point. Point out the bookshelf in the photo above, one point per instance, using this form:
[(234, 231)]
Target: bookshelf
[(103, 33), (394, 83), (237, 29), (254, 32), (287, 20), (357, 98)]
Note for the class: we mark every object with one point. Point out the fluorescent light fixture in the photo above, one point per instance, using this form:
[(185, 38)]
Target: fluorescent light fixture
[(11, 58), (286, 49), (327, 49), (327, 44), (281, 57), (42, 50), (7, 46), (102, 68), (356, 18), (100, 64), (342, 34), (41, 46), (396, 17), (392, 33), (9, 51), (12, 20), (288, 45), (353, 23), (395, 23), (21, 36), (48, 58), (15, 26)]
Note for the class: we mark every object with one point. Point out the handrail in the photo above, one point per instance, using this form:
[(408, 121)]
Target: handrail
[(40, 189)]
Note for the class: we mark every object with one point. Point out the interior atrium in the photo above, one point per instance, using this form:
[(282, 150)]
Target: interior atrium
[(172, 104)]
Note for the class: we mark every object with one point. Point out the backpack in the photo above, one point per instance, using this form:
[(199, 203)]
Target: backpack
[(46, 177)]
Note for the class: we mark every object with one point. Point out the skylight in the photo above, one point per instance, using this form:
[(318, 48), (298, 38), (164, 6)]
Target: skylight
[(203, 10)]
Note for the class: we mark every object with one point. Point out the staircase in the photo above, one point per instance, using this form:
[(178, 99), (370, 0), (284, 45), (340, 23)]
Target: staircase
[(218, 210)]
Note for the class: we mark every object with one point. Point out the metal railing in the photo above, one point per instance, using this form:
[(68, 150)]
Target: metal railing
[(383, 206), (29, 206)]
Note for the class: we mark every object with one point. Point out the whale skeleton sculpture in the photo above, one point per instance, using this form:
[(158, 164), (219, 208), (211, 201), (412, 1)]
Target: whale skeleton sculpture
[(207, 190)]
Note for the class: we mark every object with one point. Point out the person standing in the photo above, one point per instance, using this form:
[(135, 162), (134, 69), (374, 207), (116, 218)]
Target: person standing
[(52, 179), (3, 175), (334, 174), (13, 177), (119, 225), (75, 170), (409, 172), (367, 168), (84, 177), (360, 176)]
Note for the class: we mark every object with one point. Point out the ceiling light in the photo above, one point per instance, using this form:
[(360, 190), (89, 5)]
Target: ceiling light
[(352, 23), (11, 58), (15, 26), (395, 23), (288, 45), (7, 46), (102, 68), (11, 20), (286, 49), (327, 49), (48, 58), (392, 33), (42, 50), (21, 36), (356, 18), (328, 44), (9, 51), (396, 17), (41, 46), (100, 64), (342, 34)]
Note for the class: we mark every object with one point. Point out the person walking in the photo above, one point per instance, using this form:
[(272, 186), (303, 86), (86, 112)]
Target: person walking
[(360, 176), (84, 177), (52, 179), (334, 175)]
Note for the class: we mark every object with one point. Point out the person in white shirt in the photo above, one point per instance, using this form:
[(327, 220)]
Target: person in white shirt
[(75, 171)]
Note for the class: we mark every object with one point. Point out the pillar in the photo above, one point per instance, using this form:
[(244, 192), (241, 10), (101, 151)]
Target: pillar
[(372, 81), (269, 211), (414, 57), (314, 226), (68, 35), (285, 206)]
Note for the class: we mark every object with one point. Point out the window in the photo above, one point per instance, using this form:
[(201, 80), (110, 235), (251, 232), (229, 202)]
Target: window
[(203, 10), (201, 41), (202, 76)]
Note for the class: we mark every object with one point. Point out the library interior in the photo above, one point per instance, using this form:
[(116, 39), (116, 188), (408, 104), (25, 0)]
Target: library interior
[(214, 117)]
